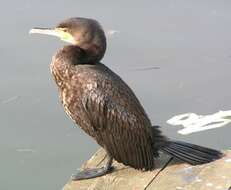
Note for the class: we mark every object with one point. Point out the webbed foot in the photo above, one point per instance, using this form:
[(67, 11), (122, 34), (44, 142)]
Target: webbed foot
[(95, 172)]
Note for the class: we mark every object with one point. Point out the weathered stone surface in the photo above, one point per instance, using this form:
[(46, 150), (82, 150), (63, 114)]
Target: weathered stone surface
[(169, 175), (215, 175)]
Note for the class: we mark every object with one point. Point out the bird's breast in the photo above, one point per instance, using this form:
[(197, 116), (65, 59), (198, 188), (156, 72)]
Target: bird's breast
[(67, 95)]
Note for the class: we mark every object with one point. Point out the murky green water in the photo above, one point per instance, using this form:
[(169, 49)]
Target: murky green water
[(189, 40)]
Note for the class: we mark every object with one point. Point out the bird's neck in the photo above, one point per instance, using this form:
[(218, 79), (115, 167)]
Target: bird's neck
[(93, 53), (76, 55), (64, 61)]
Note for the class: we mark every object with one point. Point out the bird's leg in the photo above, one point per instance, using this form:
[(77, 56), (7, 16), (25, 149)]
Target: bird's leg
[(95, 172)]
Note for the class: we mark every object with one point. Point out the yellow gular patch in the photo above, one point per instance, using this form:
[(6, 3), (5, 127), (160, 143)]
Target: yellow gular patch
[(65, 36)]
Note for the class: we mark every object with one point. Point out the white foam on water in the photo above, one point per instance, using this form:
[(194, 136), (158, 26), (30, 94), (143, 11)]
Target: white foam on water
[(194, 123)]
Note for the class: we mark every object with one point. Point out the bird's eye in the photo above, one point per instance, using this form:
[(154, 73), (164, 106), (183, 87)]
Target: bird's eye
[(63, 29)]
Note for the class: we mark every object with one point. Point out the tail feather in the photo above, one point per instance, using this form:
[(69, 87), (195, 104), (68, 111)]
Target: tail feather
[(181, 157), (199, 148), (190, 157), (190, 153), (202, 155)]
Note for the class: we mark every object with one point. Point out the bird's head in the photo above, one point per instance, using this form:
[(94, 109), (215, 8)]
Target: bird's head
[(85, 33)]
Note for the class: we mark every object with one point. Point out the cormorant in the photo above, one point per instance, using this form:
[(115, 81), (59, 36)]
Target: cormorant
[(104, 106)]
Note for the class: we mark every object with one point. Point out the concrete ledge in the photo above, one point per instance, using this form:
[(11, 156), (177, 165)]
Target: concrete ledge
[(169, 175)]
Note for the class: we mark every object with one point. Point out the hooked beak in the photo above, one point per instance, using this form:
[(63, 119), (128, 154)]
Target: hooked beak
[(47, 31), (58, 32)]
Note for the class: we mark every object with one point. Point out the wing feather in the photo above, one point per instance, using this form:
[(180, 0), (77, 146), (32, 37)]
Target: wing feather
[(119, 130)]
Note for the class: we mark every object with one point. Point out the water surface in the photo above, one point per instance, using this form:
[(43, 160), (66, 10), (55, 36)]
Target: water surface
[(189, 41)]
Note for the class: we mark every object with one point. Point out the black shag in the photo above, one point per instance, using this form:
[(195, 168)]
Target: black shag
[(104, 106)]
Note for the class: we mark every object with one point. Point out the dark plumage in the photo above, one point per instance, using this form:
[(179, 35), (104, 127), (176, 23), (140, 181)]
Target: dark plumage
[(104, 106)]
